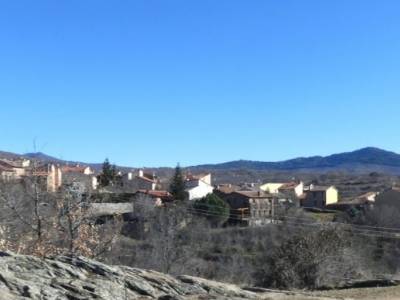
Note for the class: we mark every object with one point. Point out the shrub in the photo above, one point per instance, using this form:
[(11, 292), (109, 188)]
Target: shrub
[(302, 261), (213, 208)]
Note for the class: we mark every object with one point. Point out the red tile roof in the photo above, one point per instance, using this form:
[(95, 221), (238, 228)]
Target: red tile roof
[(147, 179), (5, 168), (157, 194), (6, 165), (73, 169), (289, 186)]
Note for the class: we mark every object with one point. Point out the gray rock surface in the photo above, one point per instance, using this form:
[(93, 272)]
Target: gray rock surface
[(79, 278)]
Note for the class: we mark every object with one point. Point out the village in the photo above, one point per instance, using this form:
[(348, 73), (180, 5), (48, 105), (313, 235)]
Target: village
[(250, 204), (187, 150)]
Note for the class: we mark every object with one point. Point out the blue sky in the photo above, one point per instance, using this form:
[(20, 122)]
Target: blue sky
[(153, 83)]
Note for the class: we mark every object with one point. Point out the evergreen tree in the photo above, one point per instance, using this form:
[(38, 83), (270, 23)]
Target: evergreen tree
[(177, 186), (212, 206), (108, 174)]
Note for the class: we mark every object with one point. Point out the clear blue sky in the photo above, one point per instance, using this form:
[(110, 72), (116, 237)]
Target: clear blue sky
[(153, 83)]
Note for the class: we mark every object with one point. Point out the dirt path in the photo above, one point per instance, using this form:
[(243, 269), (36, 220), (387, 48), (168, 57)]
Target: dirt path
[(385, 293)]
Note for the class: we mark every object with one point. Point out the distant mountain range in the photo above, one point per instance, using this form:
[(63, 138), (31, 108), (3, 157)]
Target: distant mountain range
[(364, 160), (42, 157), (39, 156)]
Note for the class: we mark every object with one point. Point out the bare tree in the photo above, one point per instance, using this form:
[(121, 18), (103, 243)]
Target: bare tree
[(79, 228), (169, 237), (41, 223), (28, 219)]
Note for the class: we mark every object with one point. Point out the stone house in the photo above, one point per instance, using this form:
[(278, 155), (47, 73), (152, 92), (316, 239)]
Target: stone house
[(140, 181), (250, 208), (11, 170), (88, 182), (320, 196)]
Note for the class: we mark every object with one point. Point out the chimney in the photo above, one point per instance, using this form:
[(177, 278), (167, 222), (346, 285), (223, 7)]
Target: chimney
[(140, 173)]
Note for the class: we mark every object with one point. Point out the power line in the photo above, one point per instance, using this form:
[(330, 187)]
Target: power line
[(362, 232)]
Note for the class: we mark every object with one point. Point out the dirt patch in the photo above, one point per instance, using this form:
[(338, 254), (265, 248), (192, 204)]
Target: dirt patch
[(382, 293)]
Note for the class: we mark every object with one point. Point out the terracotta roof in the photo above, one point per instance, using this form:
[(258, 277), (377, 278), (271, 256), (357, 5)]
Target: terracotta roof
[(73, 169), (146, 179), (43, 170), (158, 194), (5, 169), (7, 164), (289, 186)]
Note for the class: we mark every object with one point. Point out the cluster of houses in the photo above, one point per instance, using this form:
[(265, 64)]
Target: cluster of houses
[(244, 200), (49, 174), (251, 204), (258, 205), (52, 176)]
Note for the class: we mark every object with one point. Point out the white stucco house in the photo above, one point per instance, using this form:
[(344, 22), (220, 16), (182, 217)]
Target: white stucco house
[(296, 188), (198, 186), (271, 187)]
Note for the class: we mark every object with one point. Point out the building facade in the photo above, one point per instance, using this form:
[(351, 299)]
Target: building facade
[(320, 196), (251, 208), (198, 186)]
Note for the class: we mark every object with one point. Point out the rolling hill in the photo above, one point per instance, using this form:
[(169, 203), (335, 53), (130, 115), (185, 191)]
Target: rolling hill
[(366, 159), (363, 160)]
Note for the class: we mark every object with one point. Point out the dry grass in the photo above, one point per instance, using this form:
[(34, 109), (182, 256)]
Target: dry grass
[(322, 217), (384, 293)]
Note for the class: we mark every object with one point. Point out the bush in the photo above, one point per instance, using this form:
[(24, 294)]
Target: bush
[(213, 208), (303, 261)]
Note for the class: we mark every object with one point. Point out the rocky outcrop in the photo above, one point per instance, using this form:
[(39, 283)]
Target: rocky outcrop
[(78, 278)]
